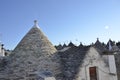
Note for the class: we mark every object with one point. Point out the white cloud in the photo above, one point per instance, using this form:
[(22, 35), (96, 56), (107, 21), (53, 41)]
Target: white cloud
[(107, 27)]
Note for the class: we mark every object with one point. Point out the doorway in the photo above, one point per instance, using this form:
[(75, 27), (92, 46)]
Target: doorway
[(93, 73)]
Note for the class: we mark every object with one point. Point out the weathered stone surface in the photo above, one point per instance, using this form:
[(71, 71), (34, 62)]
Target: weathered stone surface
[(117, 59), (71, 60), (34, 53)]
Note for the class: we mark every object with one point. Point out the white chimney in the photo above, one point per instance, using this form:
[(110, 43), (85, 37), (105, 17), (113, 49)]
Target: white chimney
[(110, 47)]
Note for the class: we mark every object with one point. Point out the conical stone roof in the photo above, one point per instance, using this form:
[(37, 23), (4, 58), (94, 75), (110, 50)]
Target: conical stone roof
[(34, 54), (36, 41)]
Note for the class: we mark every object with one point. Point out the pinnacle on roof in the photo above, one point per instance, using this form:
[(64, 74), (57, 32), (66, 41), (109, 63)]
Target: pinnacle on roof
[(99, 46), (71, 44), (109, 46), (36, 23), (59, 47), (81, 45), (110, 42), (64, 45), (97, 42), (97, 39)]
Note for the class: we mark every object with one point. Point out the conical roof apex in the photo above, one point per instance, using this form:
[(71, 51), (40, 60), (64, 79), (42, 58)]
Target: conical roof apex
[(36, 24), (35, 40)]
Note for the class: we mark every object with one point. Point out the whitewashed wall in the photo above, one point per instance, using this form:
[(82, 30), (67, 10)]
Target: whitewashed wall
[(0, 49), (3, 52), (112, 64), (94, 59)]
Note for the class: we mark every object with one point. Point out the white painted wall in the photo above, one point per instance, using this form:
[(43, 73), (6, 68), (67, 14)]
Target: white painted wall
[(2, 51), (93, 58), (112, 64)]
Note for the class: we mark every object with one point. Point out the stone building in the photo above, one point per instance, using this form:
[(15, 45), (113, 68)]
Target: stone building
[(35, 58), (88, 63)]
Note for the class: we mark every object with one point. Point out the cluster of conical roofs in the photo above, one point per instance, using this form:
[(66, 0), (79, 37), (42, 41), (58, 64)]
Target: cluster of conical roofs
[(109, 46), (35, 56)]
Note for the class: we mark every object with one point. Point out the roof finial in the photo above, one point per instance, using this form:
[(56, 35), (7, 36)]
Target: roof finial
[(97, 39), (35, 23), (110, 47)]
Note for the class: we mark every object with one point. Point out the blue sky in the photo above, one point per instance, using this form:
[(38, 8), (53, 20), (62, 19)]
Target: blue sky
[(62, 21)]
